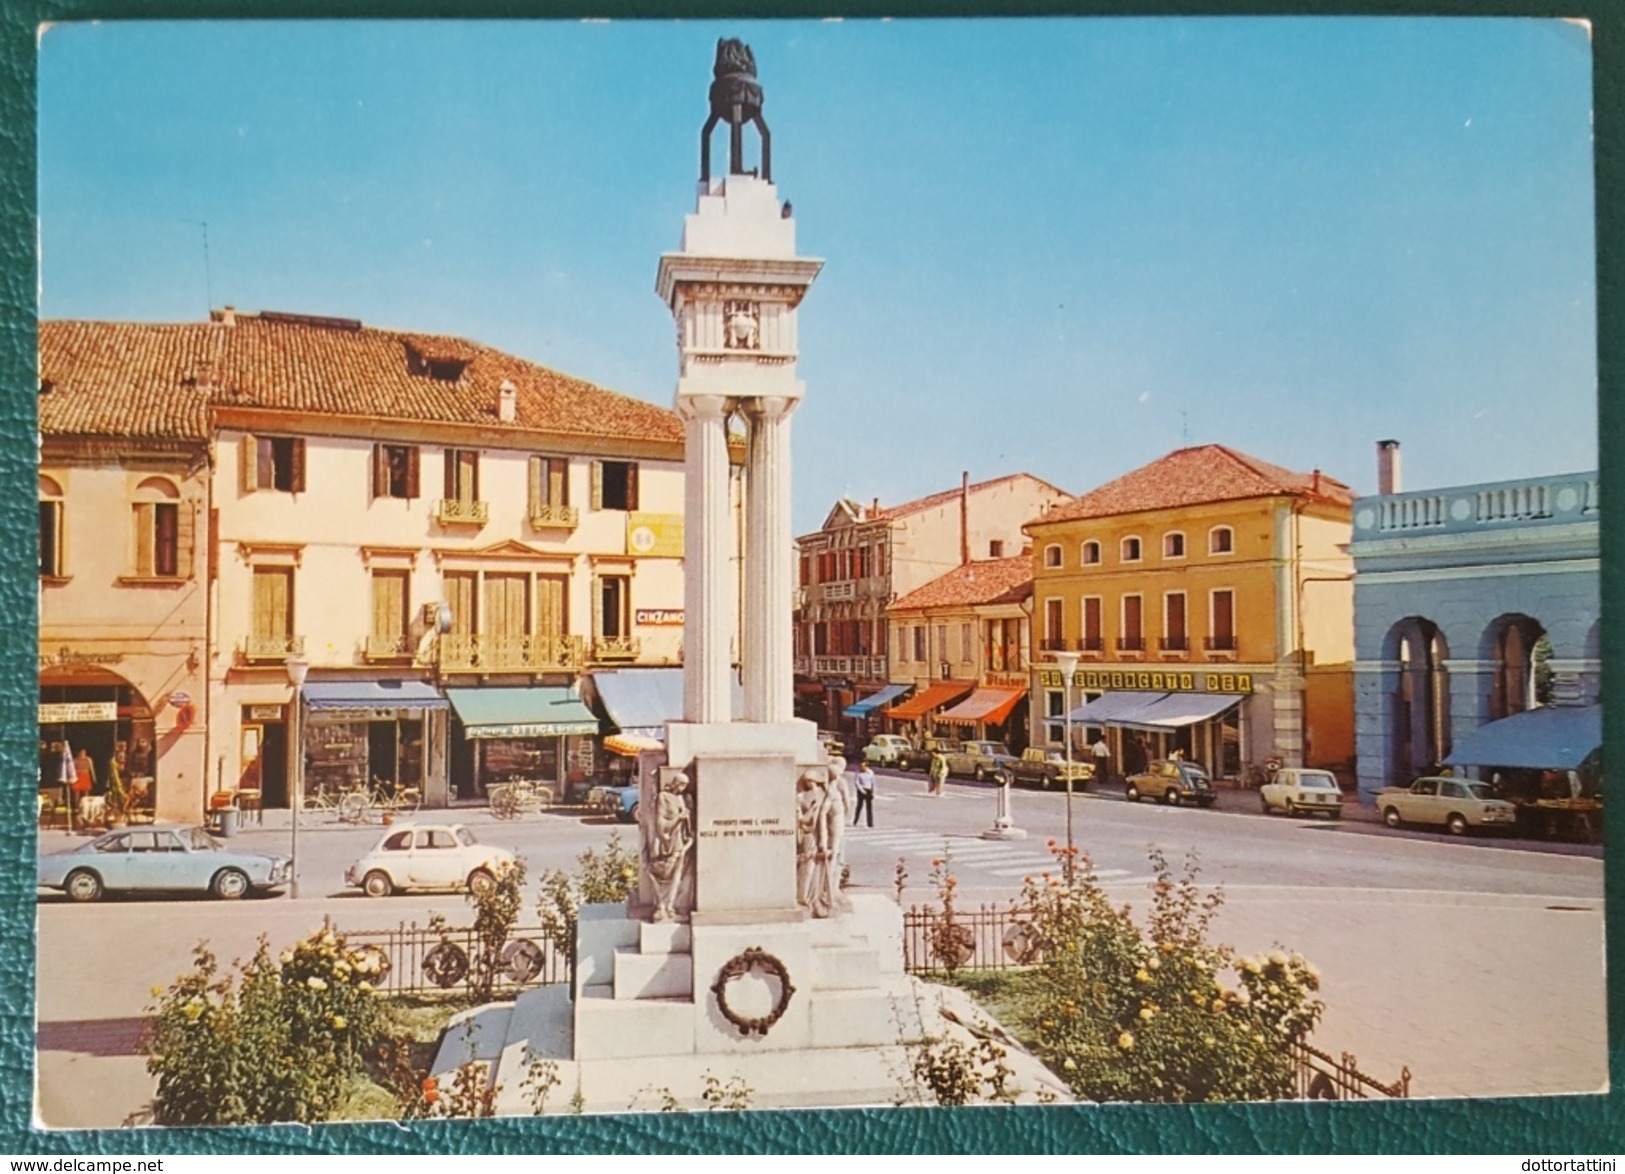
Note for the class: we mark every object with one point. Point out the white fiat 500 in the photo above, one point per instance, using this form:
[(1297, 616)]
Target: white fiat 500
[(427, 856)]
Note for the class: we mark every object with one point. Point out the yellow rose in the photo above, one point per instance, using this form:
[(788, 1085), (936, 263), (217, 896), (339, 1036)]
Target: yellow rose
[(1125, 1041), (1147, 1014)]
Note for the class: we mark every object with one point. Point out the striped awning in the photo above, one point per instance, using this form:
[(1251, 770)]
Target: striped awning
[(931, 697), (989, 706), (630, 745)]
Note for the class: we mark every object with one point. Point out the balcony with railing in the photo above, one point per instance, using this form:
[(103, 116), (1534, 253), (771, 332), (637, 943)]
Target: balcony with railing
[(380, 649), (1052, 644), (616, 648), (270, 649), (839, 591), (1174, 646), (553, 517), (1092, 645), (1131, 644), (1220, 647), (871, 667), (454, 511), (511, 654)]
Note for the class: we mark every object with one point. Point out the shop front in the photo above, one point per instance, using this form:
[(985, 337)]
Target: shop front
[(913, 717), (1200, 715), (543, 735), (385, 736), (996, 712), (865, 710)]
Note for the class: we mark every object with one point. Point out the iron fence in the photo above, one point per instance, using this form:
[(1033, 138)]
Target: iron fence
[(993, 937), (442, 960)]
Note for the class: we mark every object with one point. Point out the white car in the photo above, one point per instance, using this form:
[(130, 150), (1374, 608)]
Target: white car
[(427, 856), (1309, 792)]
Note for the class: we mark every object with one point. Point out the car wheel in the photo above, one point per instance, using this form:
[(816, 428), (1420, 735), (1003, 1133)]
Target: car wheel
[(630, 815), (1391, 817), (377, 883), (481, 882), (1457, 823), (1265, 804), (1131, 793), (229, 884), (979, 774), (83, 885), (1173, 796)]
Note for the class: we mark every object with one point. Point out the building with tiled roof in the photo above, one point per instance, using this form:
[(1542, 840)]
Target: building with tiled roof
[(1208, 599), (974, 621), (866, 556), (412, 517)]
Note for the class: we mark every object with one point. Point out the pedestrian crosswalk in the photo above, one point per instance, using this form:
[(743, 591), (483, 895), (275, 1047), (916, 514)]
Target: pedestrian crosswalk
[(997, 858)]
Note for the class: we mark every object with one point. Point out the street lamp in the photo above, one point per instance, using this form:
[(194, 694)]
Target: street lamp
[(297, 667), (1068, 662)]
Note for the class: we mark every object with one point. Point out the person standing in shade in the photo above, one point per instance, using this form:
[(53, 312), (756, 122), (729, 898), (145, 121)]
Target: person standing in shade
[(939, 774), (1103, 759), (866, 796)]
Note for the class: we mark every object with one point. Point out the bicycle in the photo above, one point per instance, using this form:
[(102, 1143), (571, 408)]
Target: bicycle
[(512, 800), (1259, 774)]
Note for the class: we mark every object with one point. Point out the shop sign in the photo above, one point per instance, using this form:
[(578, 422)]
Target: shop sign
[(72, 656), (265, 713), (654, 535), (58, 712), (1006, 680), (533, 730), (1151, 680), (658, 616)]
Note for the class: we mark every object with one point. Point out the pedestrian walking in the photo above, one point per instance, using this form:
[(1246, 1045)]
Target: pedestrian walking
[(939, 774), (865, 788), (1103, 759)]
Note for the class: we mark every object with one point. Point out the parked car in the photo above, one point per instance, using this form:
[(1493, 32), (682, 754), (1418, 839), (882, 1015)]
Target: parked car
[(1174, 781), (174, 858), (886, 749), (1456, 804), (919, 757), (427, 856), (620, 800), (1299, 791), (1047, 768), (977, 759)]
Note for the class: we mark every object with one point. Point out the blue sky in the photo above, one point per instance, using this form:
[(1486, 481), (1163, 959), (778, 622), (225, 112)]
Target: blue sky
[(1066, 246)]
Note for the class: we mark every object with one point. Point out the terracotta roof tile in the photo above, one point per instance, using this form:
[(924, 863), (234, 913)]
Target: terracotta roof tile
[(142, 379), (931, 501), (1002, 580), (1195, 476)]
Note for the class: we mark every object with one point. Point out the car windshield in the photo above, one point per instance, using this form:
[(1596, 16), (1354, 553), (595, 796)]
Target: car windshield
[(1317, 782), (201, 841)]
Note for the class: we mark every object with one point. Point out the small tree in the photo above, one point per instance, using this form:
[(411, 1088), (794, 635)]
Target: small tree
[(496, 908), (601, 878)]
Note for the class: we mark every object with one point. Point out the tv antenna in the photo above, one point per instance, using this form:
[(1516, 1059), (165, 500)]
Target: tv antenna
[(208, 282)]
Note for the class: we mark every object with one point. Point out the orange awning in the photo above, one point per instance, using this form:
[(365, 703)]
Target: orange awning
[(630, 745), (990, 706), (927, 699)]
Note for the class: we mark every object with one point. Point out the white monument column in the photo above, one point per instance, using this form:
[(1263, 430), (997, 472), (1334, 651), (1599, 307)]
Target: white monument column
[(769, 584), (708, 601)]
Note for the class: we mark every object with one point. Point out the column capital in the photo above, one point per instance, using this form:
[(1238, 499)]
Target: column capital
[(702, 407), (768, 407)]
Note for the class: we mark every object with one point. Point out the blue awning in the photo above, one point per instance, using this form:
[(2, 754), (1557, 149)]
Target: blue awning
[(400, 696), (875, 700), (1115, 708), (1553, 737), (545, 711), (642, 701), (1177, 710)]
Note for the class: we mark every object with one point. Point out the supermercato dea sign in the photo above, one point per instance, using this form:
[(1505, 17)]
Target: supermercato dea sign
[(1146, 680)]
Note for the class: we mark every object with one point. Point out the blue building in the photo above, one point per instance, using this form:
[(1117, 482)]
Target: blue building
[(1471, 604)]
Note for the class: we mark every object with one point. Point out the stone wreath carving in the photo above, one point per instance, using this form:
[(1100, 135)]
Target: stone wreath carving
[(752, 961), (521, 960), (446, 965)]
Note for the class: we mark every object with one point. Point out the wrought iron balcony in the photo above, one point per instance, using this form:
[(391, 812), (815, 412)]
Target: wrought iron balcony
[(1131, 644), (508, 654), (616, 647), (454, 511), (554, 517), (270, 649), (380, 648), (1174, 644), (1219, 643), (1091, 644)]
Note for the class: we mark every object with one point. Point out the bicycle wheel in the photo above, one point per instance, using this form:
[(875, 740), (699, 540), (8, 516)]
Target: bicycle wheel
[(408, 800), (504, 803), (353, 807)]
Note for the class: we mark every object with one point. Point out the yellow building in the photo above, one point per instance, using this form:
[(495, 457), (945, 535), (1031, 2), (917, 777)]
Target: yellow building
[(1209, 597)]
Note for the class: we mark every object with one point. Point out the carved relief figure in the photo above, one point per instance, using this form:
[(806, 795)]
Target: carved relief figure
[(835, 816), (809, 827), (741, 321), (668, 849)]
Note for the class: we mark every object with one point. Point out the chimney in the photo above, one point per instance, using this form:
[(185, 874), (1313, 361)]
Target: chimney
[(505, 401), (1388, 480), (228, 316), (1315, 484), (964, 517)]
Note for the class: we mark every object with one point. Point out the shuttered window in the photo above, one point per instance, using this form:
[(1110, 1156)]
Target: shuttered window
[(1224, 617), (157, 539), (549, 481), (272, 462), (506, 605), (273, 604), (389, 606), (612, 596), (461, 598), (614, 485), (552, 612), (1132, 622), (462, 475), (50, 539), (395, 471)]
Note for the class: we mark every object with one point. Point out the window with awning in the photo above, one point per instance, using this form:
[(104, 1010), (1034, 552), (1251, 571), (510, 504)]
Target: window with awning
[(989, 706), (542, 711), (930, 698), (874, 701)]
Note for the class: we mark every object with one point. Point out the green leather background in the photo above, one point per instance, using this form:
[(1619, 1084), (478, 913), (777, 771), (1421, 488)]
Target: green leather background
[(1549, 1126)]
